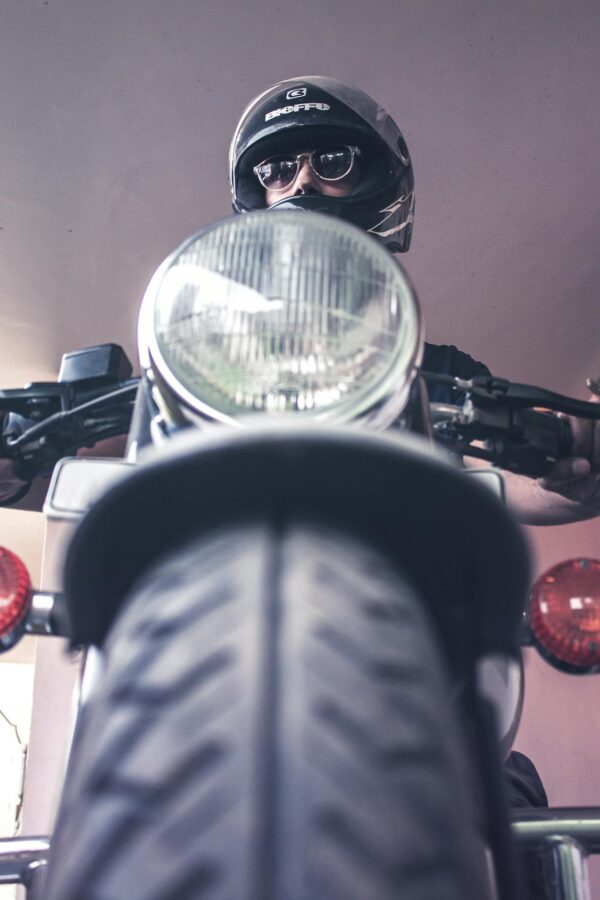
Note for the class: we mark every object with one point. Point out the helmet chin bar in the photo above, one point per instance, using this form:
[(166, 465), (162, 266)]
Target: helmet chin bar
[(340, 207), (332, 206)]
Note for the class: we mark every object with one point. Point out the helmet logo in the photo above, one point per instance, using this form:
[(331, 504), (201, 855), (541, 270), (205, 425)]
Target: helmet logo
[(285, 110), (295, 94)]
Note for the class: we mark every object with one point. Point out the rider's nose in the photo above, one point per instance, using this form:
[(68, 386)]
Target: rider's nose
[(306, 180)]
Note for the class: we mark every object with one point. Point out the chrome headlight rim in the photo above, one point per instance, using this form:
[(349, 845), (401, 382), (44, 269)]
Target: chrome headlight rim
[(389, 390)]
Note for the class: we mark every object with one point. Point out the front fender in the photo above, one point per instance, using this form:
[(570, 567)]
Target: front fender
[(449, 534)]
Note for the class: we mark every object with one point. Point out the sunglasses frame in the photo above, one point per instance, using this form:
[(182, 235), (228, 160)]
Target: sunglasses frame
[(299, 157)]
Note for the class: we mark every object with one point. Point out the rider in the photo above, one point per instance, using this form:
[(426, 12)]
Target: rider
[(314, 143)]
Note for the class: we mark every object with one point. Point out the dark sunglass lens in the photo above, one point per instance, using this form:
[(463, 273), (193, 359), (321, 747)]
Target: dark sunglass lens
[(276, 174), (333, 163)]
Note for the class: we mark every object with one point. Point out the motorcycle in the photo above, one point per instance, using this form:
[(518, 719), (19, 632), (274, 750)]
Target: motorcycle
[(296, 610)]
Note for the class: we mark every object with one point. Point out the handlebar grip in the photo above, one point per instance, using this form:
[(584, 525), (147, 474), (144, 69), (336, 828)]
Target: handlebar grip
[(543, 439), (548, 432)]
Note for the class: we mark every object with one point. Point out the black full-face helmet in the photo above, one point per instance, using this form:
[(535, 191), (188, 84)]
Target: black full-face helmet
[(315, 111)]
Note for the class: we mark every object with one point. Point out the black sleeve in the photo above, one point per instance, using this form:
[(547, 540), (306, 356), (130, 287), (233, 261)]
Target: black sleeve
[(525, 786)]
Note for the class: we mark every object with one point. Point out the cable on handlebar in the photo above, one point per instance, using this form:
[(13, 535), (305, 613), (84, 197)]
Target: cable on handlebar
[(515, 394), (48, 424)]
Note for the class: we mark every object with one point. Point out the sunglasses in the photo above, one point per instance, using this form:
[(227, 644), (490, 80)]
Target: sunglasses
[(328, 164)]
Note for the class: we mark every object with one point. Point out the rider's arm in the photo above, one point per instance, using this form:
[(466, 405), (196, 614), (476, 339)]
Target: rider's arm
[(535, 504)]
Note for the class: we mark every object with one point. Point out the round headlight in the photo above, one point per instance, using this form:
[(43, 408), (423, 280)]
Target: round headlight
[(279, 313)]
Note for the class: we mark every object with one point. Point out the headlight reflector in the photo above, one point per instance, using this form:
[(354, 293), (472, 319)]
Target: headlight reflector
[(281, 312)]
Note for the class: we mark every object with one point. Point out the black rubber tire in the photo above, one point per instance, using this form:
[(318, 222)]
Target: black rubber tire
[(274, 724)]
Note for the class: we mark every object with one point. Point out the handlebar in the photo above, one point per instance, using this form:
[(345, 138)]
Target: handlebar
[(518, 396), (511, 425), (516, 422), (45, 421), (35, 446)]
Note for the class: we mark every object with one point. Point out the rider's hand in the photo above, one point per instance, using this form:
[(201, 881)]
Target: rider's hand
[(578, 478)]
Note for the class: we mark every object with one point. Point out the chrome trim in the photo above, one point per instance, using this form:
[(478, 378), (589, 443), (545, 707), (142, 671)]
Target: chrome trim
[(19, 857), (532, 827), (593, 384), (441, 412), (371, 407), (91, 676), (77, 483), (564, 869), (501, 680), (39, 617), (492, 478)]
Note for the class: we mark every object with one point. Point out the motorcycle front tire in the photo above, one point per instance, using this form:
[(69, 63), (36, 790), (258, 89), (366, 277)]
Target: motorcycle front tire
[(274, 723)]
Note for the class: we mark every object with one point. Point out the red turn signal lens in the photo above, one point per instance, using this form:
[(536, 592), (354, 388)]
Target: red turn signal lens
[(15, 593), (564, 614)]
